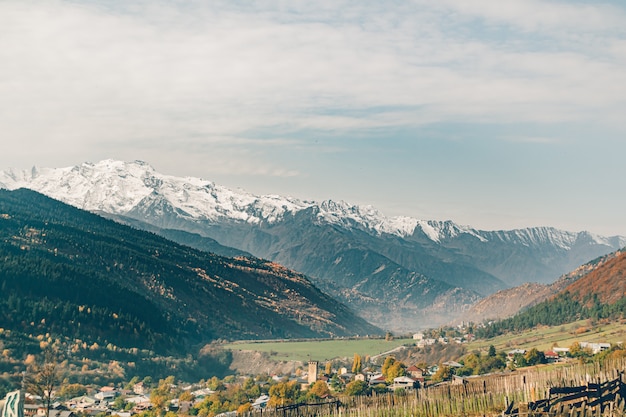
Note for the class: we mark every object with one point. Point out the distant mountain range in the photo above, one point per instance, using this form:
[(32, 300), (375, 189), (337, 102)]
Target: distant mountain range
[(400, 273), (68, 272)]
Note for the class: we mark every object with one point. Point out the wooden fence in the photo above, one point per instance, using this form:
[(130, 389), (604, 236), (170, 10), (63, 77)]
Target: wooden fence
[(591, 399), (309, 409), (527, 392)]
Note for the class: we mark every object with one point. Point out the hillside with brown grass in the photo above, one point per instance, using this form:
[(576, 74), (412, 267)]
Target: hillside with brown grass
[(603, 275), (608, 282)]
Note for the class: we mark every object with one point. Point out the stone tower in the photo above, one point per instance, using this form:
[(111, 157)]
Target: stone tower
[(312, 371)]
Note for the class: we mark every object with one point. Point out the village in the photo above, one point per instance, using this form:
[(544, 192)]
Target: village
[(314, 382)]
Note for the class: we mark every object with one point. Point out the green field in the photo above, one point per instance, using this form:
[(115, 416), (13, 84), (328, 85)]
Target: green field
[(544, 338), (320, 350)]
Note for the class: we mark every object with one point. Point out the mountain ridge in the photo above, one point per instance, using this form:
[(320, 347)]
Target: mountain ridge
[(70, 271), (344, 248), (240, 205)]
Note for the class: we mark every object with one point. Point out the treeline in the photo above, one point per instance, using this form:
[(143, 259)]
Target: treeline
[(563, 308)]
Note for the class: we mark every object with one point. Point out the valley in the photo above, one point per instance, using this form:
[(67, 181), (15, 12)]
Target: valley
[(398, 273)]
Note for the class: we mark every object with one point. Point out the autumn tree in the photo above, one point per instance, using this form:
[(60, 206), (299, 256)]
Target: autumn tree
[(244, 408), (72, 390), (357, 388), (284, 393), (161, 395), (356, 364), (395, 370), (389, 360), (328, 370), (319, 389), (534, 357), (41, 379), (444, 373)]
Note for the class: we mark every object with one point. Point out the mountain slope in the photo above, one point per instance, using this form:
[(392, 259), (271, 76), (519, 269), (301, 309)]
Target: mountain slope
[(600, 293), (417, 272), (506, 303), (71, 272), (605, 284)]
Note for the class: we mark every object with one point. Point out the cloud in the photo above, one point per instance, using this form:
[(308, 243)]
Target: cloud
[(96, 74), (551, 17)]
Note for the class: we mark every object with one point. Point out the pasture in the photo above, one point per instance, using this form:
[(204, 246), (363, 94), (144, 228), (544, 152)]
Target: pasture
[(545, 337), (321, 350)]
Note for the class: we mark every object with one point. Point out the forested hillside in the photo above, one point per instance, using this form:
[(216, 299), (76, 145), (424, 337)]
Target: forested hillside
[(601, 294), (68, 272)]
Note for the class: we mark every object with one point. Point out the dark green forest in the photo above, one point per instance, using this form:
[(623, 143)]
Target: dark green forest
[(563, 308), (68, 272)]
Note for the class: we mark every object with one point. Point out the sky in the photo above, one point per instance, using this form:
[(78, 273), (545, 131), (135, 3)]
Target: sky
[(493, 114)]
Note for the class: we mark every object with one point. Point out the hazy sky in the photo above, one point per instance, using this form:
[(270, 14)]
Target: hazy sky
[(494, 114)]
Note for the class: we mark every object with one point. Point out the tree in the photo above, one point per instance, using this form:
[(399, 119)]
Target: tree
[(319, 389), (119, 403), (336, 383), (42, 379), (395, 370), (283, 393), (186, 396), (357, 365), (161, 395), (328, 370), (357, 388), (389, 360), (492, 351), (444, 373), (534, 357), (72, 390)]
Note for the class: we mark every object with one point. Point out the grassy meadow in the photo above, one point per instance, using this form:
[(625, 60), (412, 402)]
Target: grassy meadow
[(320, 350), (545, 337), (542, 338)]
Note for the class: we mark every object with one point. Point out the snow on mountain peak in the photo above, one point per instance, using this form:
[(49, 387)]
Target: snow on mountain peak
[(119, 187), (367, 217)]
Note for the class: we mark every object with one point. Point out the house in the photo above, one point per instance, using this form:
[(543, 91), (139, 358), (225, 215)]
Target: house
[(31, 409), (415, 373), (140, 388), (405, 382), (359, 377), (57, 413), (560, 350), (82, 403), (106, 395), (261, 402), (418, 336), (377, 379), (202, 393), (511, 353), (551, 356), (347, 377), (425, 342), (595, 347), (138, 399), (452, 364)]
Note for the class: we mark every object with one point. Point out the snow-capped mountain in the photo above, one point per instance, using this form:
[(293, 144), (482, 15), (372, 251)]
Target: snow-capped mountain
[(353, 252)]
